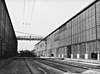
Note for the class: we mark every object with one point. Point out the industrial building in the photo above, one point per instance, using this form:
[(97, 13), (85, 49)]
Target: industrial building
[(78, 38), (8, 40)]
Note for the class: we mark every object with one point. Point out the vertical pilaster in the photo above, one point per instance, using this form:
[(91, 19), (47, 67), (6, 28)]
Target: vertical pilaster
[(86, 54), (65, 51), (78, 51), (96, 30), (62, 56), (98, 56), (71, 56), (78, 56)]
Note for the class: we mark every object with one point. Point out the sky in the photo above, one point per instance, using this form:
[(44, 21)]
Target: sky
[(41, 17)]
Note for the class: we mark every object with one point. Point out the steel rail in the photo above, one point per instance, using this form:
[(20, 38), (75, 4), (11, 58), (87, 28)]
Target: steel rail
[(48, 62), (28, 66)]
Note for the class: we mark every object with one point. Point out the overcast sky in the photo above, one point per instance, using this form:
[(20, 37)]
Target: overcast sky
[(41, 17)]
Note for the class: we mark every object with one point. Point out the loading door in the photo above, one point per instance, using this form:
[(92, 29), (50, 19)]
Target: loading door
[(69, 51)]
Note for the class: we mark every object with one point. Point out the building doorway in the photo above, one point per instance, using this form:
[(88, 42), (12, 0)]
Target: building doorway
[(69, 51)]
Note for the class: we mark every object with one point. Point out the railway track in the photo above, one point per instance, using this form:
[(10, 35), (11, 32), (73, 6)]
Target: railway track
[(41, 66), (68, 64), (62, 66), (34, 68), (79, 65), (28, 67)]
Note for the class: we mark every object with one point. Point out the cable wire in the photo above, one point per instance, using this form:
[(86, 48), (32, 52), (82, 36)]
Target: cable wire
[(27, 12), (24, 11), (32, 12)]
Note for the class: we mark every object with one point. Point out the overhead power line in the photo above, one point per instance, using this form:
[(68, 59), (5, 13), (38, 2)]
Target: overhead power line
[(32, 11), (27, 13), (24, 12)]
